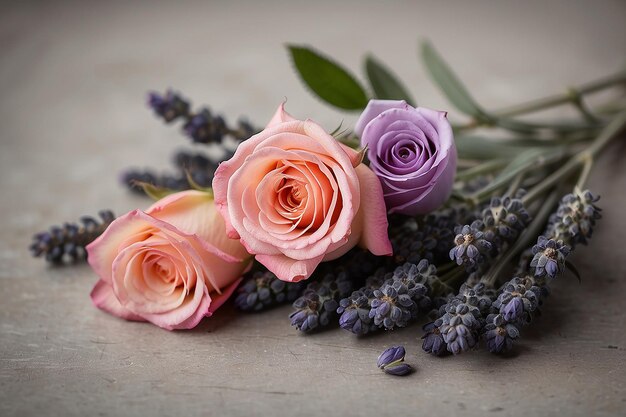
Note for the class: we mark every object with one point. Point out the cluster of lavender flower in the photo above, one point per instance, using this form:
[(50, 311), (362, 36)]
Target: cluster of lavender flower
[(480, 311), (397, 290)]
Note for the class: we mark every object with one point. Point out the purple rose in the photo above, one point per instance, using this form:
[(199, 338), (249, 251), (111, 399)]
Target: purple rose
[(413, 153)]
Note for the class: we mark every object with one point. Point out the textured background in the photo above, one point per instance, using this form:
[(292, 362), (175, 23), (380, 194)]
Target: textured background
[(72, 81)]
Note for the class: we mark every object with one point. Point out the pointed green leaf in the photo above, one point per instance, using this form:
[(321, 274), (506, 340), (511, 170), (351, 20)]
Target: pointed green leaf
[(450, 84), (337, 130), (328, 80), (384, 83)]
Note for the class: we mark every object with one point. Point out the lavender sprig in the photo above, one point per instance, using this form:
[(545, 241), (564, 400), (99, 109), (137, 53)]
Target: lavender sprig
[(391, 361), (201, 126), (570, 225), (67, 243)]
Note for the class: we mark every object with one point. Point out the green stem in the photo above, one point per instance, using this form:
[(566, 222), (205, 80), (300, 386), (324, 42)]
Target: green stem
[(579, 103), (584, 175), (452, 275), (559, 99), (514, 184), (545, 103), (608, 133), (484, 168), (446, 267), (503, 179), (525, 239)]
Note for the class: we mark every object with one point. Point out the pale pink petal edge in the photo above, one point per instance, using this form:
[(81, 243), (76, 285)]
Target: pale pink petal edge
[(287, 269), (104, 298), (374, 234)]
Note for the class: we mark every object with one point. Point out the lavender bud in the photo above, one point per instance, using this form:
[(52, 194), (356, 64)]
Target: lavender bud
[(391, 355), (400, 369)]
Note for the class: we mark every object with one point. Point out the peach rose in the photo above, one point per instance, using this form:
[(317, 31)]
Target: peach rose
[(171, 266), (295, 197)]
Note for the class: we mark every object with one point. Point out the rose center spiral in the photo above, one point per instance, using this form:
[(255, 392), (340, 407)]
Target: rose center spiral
[(165, 270), (291, 198)]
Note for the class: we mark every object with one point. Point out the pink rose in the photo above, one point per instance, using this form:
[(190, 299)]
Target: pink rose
[(171, 266), (297, 197)]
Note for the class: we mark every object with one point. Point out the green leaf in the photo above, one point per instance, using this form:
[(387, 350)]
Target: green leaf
[(337, 130), (328, 80), (450, 84), (384, 83)]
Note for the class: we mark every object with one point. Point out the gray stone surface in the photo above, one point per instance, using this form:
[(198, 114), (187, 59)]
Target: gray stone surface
[(72, 83)]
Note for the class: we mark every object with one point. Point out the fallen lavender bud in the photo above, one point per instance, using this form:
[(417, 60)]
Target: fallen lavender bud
[(400, 369), (391, 355), (391, 361)]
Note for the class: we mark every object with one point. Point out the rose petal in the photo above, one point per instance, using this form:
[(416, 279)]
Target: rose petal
[(217, 300), (194, 213), (438, 194), (374, 236), (280, 116), (102, 251), (226, 169), (104, 298), (373, 109), (288, 269)]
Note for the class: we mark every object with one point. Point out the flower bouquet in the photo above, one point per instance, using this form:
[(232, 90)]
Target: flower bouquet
[(400, 219)]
